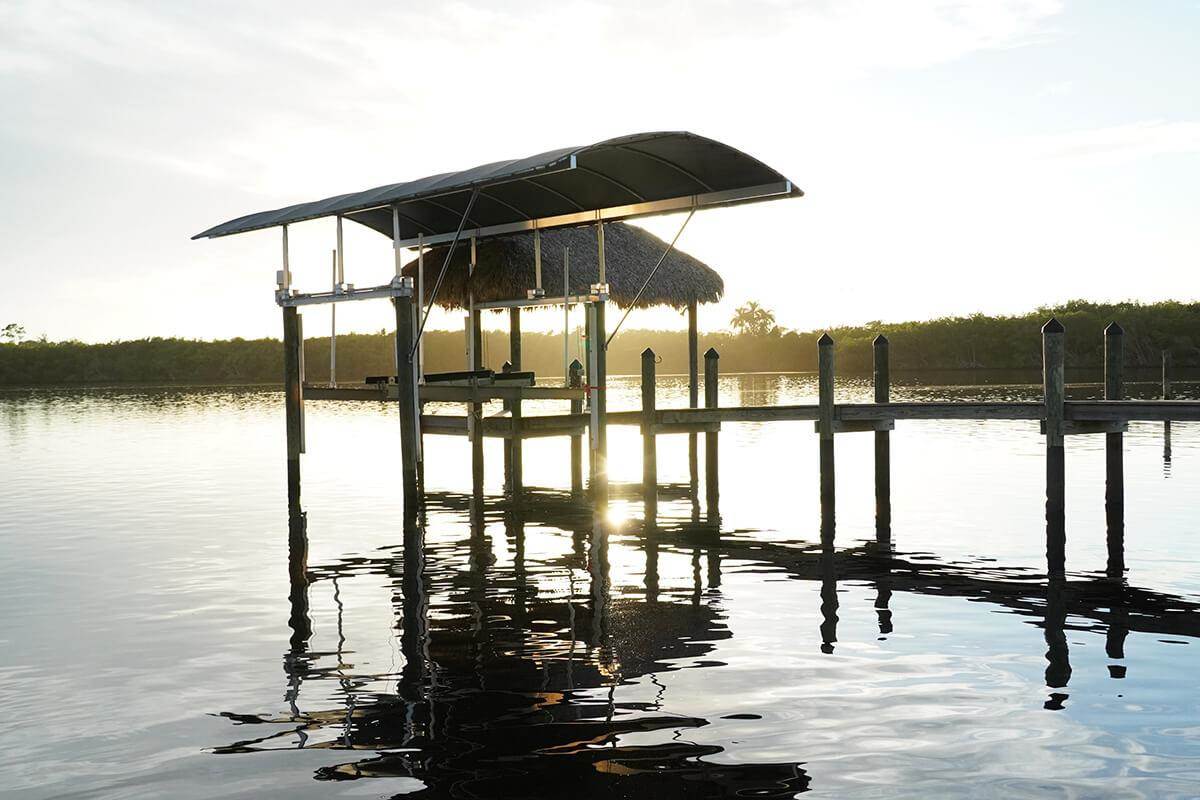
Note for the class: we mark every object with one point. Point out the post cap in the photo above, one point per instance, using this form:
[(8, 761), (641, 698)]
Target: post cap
[(648, 354), (826, 340), (1053, 326), (1113, 329), (711, 353), (575, 365), (880, 339)]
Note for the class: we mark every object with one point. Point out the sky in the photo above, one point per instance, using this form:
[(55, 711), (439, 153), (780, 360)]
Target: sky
[(956, 156)]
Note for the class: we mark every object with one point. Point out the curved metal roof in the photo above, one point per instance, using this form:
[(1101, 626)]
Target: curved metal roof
[(637, 175)]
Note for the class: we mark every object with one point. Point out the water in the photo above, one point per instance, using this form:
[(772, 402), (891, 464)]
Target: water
[(151, 644)]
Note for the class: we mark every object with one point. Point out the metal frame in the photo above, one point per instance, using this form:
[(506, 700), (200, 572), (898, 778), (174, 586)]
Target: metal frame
[(293, 299), (615, 213), (533, 302)]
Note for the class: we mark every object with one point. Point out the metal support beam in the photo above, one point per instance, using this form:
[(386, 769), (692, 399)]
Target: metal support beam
[(693, 393), (616, 213)]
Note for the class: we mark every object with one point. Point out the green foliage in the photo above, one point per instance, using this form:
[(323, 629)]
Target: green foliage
[(13, 332), (971, 342)]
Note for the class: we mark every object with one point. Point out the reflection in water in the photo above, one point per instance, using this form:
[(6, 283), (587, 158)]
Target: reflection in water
[(509, 680), (506, 686)]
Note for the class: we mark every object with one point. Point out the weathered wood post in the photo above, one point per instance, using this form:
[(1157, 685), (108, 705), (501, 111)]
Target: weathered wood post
[(711, 457), (1054, 394), (293, 398), (475, 409), (597, 389), (516, 409), (506, 368), (575, 379), (514, 338), (883, 444), (825, 428), (1114, 459), (406, 386), (516, 417), (649, 452), (693, 394), (1166, 395)]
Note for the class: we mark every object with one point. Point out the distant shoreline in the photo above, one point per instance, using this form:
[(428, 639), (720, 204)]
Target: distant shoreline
[(966, 345)]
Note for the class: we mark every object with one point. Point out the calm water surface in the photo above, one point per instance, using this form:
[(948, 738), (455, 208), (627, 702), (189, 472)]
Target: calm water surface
[(151, 644)]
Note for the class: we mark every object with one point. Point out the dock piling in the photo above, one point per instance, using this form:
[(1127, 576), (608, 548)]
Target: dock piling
[(649, 445), (406, 389), (1114, 458), (1166, 395), (711, 459), (825, 426), (575, 379), (293, 398), (516, 483), (883, 444), (597, 386), (1054, 396)]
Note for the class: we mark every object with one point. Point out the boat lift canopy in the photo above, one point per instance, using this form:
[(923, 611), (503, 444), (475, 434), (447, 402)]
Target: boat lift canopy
[(630, 176)]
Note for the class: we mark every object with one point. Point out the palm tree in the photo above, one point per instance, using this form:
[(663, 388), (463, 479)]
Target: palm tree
[(753, 320)]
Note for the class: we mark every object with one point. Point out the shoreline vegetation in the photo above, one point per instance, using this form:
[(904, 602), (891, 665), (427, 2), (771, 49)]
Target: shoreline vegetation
[(755, 344)]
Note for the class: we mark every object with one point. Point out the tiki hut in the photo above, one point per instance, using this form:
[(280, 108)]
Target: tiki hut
[(505, 268)]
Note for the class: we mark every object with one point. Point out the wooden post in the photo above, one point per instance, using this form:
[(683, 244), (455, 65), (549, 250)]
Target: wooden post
[(517, 482), (599, 390), (711, 459), (516, 410), (693, 392), (476, 409), (1054, 393), (1114, 483), (293, 393), (825, 412), (883, 445), (514, 338), (406, 388), (506, 367), (1166, 395), (575, 380), (649, 454)]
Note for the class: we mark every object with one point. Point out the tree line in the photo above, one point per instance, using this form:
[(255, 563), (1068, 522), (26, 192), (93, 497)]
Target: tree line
[(755, 344)]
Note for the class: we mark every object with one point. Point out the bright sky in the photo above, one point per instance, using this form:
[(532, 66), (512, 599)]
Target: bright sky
[(957, 156)]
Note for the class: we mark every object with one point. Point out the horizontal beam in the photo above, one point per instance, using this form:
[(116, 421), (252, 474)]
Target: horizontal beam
[(537, 302), (707, 200), (938, 410), (859, 425), (346, 295), (1134, 410), (435, 393), (1072, 427)]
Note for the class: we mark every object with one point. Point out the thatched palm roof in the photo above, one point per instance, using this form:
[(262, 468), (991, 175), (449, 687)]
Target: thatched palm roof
[(504, 268)]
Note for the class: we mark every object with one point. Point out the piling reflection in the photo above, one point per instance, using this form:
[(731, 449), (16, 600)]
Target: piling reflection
[(521, 642)]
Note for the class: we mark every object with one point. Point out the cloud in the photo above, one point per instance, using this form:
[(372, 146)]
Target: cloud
[(1119, 143)]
